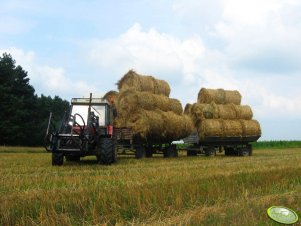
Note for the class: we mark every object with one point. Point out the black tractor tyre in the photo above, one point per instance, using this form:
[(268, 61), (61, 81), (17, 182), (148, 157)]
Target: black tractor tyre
[(210, 151), (170, 152), (106, 151), (57, 159), (140, 152), (72, 158), (192, 153)]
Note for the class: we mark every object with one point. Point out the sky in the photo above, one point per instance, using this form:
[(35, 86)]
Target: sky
[(71, 48)]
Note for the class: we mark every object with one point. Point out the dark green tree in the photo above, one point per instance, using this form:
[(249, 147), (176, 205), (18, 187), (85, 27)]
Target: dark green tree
[(16, 98), (23, 115)]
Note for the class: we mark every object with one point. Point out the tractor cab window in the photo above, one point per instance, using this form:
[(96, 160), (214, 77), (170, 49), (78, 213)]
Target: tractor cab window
[(82, 110)]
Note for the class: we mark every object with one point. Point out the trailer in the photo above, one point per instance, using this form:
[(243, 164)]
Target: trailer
[(130, 144), (231, 146)]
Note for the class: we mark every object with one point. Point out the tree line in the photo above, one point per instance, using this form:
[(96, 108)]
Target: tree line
[(24, 114)]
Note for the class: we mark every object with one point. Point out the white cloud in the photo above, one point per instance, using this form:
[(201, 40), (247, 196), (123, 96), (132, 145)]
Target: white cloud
[(189, 65), (48, 80), (149, 52)]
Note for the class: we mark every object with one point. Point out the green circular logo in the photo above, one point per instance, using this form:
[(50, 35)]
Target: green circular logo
[(282, 215)]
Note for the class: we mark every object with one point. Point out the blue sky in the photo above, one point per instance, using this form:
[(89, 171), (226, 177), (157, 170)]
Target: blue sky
[(72, 48)]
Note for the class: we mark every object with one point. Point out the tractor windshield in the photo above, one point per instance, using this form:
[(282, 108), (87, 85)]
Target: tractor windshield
[(82, 110)]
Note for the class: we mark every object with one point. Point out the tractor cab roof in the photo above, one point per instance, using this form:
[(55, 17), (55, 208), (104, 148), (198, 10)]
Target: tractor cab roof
[(86, 101)]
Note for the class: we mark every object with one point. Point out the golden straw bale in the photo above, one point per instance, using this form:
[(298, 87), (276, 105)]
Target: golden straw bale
[(232, 128), (202, 111), (134, 81), (210, 128), (220, 111), (158, 125), (250, 128), (243, 112), (187, 109), (111, 96), (129, 100), (219, 96), (227, 111)]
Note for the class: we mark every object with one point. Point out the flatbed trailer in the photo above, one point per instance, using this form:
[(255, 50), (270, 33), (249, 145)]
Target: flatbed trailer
[(240, 146), (130, 144)]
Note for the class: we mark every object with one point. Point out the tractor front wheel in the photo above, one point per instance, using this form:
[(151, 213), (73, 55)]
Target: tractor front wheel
[(57, 159)]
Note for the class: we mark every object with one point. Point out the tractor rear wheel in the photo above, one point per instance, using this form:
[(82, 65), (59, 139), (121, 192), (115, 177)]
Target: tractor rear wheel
[(57, 159), (106, 151)]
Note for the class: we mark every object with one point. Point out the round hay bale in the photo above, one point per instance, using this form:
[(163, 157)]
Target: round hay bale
[(210, 128), (203, 111), (219, 96), (187, 109), (129, 100), (243, 112), (134, 81), (232, 128), (111, 96), (250, 128), (227, 111)]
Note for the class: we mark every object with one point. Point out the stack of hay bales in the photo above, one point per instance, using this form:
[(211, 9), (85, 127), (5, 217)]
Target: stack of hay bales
[(143, 104), (218, 113)]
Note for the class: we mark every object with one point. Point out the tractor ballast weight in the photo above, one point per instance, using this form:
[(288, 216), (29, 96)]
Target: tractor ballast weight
[(86, 129)]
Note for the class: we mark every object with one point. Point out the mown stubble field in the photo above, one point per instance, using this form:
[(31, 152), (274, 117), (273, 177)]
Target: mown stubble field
[(181, 191)]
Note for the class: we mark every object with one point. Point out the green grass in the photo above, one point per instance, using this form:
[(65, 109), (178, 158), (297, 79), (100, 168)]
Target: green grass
[(182, 191)]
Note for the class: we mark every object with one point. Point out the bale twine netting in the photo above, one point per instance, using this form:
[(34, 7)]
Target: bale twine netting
[(218, 111), (111, 96), (157, 124), (228, 128), (219, 96), (129, 100), (134, 81)]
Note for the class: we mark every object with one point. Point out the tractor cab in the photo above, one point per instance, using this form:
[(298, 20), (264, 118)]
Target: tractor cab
[(96, 113), (86, 129)]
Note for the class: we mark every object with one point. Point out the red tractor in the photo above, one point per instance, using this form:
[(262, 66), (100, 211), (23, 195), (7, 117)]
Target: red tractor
[(86, 129)]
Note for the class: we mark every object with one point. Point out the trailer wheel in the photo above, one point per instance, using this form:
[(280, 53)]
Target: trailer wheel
[(249, 146), (229, 151), (140, 152), (210, 151), (244, 151), (106, 151), (57, 159), (170, 152), (72, 158), (192, 153), (149, 152)]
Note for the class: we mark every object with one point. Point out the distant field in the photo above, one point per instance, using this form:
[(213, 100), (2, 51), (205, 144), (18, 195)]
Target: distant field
[(183, 191)]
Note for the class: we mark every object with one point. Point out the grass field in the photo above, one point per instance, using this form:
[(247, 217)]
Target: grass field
[(181, 191)]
